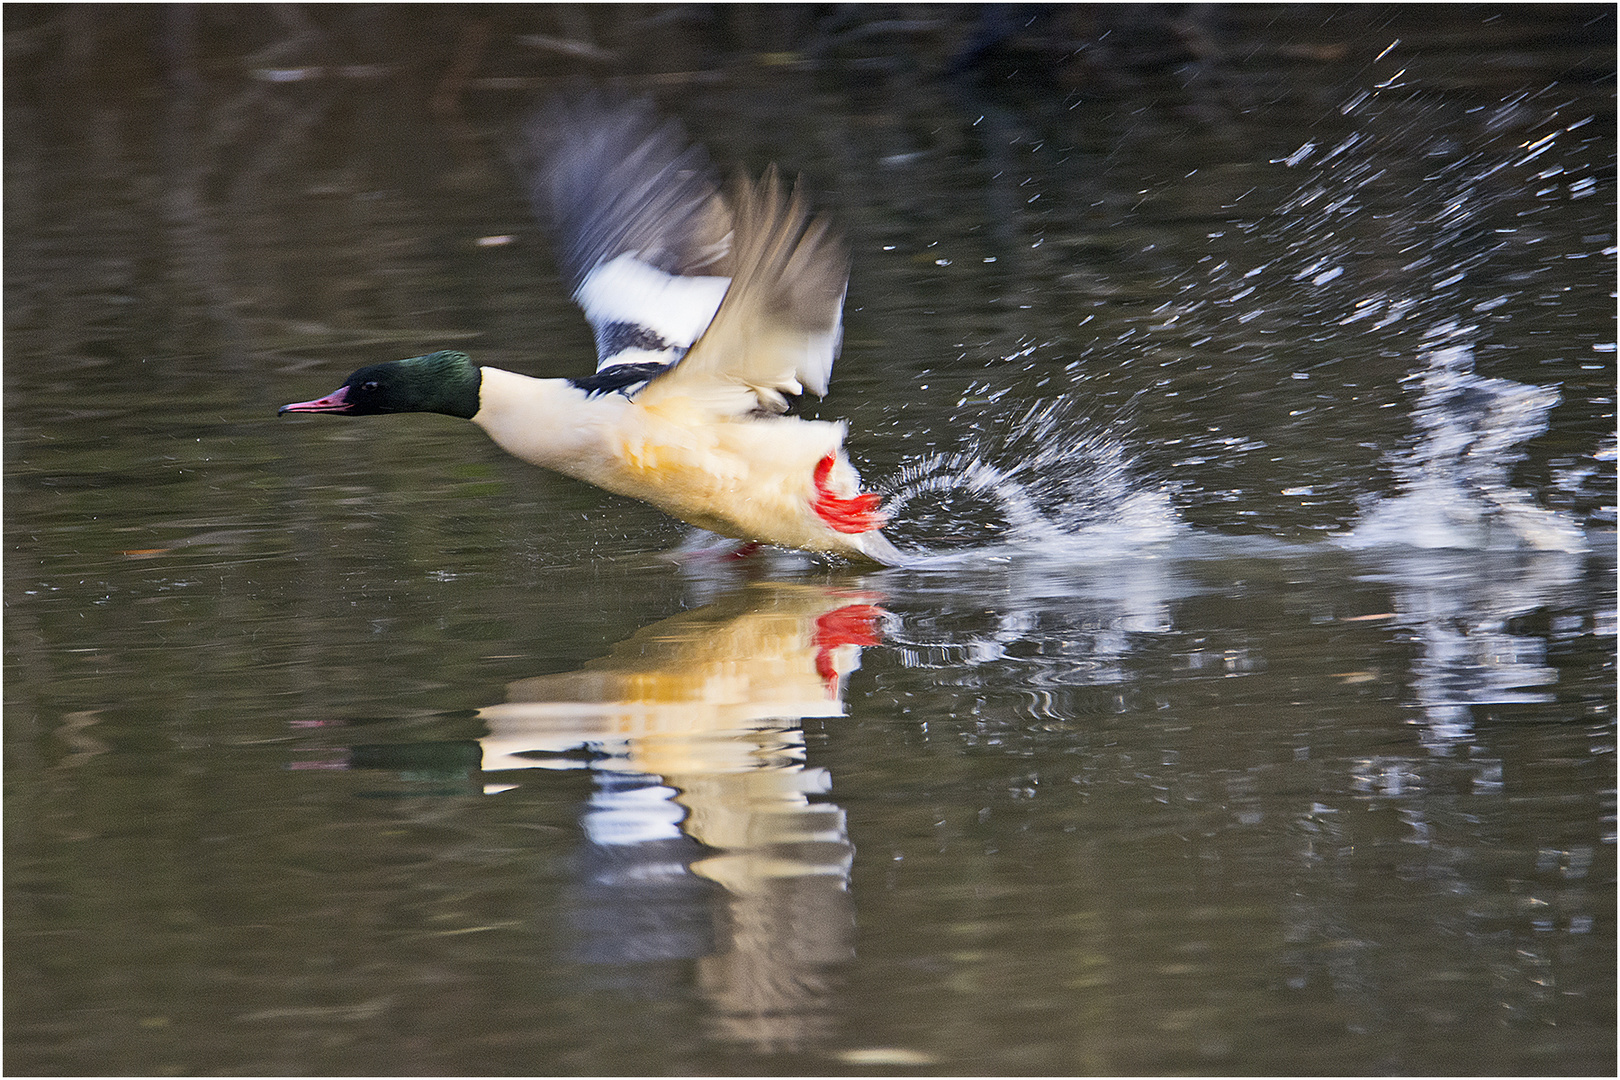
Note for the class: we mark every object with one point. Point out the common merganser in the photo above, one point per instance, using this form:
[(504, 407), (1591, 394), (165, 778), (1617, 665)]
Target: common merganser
[(710, 312)]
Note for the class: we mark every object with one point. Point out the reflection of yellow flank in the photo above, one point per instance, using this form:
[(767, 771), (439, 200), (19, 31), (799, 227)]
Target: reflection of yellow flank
[(690, 694), (710, 701)]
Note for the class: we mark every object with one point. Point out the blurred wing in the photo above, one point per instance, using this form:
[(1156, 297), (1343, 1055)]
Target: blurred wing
[(778, 330), (640, 227)]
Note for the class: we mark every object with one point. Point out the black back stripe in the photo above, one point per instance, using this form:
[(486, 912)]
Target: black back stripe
[(619, 378)]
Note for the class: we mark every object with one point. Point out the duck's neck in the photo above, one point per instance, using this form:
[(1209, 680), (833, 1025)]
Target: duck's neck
[(547, 422)]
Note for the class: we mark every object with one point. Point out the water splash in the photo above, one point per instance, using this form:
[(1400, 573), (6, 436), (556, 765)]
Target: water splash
[(1455, 484), (1051, 484)]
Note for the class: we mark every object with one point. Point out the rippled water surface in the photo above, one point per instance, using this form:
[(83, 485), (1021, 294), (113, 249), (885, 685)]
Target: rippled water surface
[(1243, 383)]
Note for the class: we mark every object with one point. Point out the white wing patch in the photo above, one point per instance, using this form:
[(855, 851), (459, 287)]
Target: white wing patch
[(642, 315)]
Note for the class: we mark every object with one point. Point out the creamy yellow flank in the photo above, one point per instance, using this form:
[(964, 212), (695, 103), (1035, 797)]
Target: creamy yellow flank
[(749, 477)]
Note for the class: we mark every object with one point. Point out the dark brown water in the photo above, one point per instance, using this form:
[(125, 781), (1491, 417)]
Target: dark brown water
[(1247, 377)]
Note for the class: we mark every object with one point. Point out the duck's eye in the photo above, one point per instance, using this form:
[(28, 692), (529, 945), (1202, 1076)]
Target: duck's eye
[(370, 385)]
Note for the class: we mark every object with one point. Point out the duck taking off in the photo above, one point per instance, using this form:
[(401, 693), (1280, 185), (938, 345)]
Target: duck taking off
[(710, 309)]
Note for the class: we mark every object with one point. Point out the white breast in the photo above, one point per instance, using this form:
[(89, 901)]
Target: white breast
[(548, 422)]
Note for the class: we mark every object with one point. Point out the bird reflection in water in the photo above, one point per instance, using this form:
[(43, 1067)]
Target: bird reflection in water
[(693, 729), (702, 841)]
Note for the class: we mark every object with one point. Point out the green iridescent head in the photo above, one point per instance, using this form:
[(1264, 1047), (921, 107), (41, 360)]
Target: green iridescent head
[(441, 382)]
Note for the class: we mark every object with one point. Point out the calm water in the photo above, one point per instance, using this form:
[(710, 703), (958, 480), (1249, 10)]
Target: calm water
[(1246, 384)]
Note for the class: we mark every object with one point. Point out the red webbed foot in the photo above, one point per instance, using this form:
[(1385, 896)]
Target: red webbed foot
[(863, 513)]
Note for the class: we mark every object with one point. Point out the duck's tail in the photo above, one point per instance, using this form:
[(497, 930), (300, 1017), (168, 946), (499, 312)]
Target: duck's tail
[(875, 546)]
